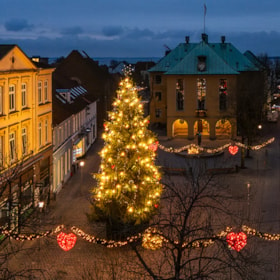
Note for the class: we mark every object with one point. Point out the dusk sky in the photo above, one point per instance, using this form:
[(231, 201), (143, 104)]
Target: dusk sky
[(131, 28)]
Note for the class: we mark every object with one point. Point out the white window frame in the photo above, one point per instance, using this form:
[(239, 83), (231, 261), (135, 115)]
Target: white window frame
[(12, 146), (46, 131), (40, 134), (40, 97), (23, 95), (12, 98), (46, 90), (24, 140)]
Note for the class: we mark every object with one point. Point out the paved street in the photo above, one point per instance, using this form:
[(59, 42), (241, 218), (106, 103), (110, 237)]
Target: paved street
[(84, 261)]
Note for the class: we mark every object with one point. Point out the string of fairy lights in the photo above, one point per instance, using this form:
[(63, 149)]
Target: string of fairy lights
[(152, 238), (193, 148)]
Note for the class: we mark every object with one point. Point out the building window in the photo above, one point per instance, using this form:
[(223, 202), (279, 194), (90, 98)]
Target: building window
[(23, 96), (46, 90), (158, 96), (24, 141), (12, 98), (1, 150), (12, 142), (46, 131), (223, 94), (201, 63), (1, 100), (158, 79), (179, 95), (40, 134), (201, 94), (40, 99), (4, 212), (158, 113)]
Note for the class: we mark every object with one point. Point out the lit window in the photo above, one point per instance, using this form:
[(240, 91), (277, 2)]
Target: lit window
[(12, 142), (201, 94), (46, 90), (223, 94), (179, 95), (23, 95), (40, 100), (24, 141), (12, 98)]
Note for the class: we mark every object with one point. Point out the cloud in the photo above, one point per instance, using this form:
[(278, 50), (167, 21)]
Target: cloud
[(145, 43), (137, 33), (74, 30), (111, 31), (17, 25)]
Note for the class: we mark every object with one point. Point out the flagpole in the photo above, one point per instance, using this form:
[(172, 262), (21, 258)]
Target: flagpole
[(205, 9)]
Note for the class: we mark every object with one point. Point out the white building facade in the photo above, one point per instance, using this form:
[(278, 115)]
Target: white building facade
[(72, 138)]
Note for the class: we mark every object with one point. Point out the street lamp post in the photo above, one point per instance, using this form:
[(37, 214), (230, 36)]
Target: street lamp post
[(82, 164)]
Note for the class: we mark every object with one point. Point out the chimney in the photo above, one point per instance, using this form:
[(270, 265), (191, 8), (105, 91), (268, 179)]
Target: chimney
[(187, 39), (223, 39), (204, 37)]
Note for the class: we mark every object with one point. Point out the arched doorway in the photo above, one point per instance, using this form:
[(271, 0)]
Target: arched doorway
[(202, 126), (180, 128), (223, 129)]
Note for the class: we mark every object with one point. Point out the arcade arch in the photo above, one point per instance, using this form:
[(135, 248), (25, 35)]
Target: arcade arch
[(180, 128), (223, 129)]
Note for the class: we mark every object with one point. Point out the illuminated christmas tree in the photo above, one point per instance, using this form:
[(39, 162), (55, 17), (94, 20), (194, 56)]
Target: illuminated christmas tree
[(128, 184)]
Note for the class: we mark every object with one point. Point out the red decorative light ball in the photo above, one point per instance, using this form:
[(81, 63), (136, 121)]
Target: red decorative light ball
[(156, 205), (66, 241), (153, 146), (236, 241), (233, 149)]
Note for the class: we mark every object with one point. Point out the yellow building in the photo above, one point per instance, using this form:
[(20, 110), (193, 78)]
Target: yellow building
[(207, 88), (25, 135)]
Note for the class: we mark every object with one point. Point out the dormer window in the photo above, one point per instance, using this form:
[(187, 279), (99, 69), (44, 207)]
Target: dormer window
[(201, 63)]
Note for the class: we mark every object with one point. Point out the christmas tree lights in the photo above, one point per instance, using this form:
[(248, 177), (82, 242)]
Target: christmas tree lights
[(128, 184)]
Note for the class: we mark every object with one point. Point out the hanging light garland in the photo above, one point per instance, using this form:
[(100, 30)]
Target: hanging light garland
[(152, 238), (232, 147)]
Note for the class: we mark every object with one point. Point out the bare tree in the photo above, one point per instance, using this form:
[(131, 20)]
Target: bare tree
[(195, 210)]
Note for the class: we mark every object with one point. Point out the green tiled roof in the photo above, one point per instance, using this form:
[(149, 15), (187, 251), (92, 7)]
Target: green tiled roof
[(221, 58)]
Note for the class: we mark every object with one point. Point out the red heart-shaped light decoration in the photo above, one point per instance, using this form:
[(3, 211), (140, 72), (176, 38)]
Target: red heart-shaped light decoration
[(233, 149), (66, 241), (236, 241), (153, 147)]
